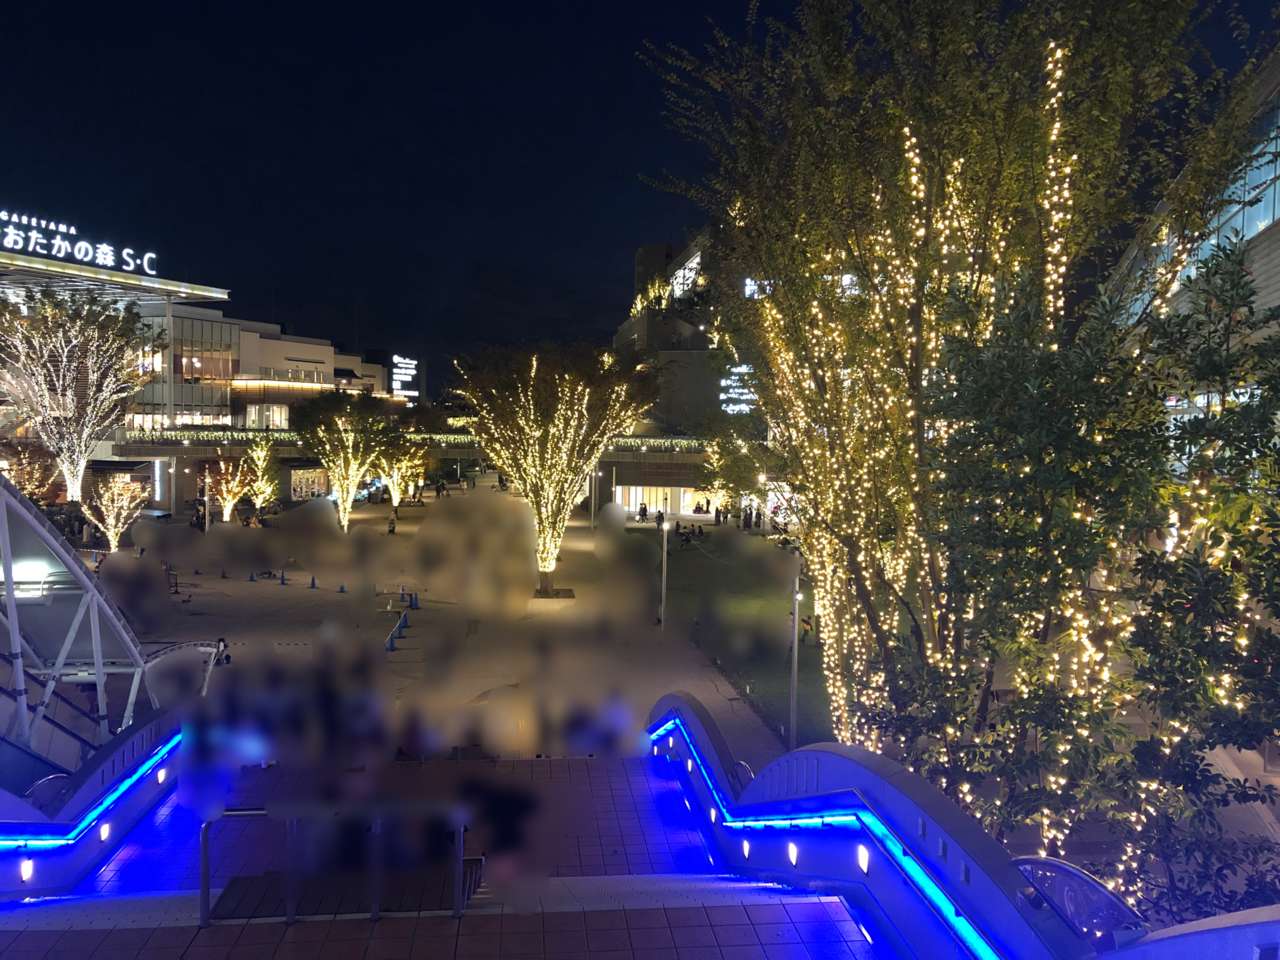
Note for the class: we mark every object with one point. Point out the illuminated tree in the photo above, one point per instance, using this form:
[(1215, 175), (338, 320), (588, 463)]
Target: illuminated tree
[(228, 483), (348, 432), (116, 503), (71, 364), (402, 463), (30, 470), (866, 185), (545, 418), (976, 451), (264, 470)]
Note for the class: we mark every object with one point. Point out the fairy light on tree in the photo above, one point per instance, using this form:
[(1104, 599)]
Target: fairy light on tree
[(228, 483), (968, 430), (348, 433), (115, 504), (401, 464), (31, 470), (264, 472), (545, 418), (72, 363)]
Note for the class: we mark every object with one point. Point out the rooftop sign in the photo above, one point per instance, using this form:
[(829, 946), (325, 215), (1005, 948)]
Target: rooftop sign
[(38, 237), (404, 377)]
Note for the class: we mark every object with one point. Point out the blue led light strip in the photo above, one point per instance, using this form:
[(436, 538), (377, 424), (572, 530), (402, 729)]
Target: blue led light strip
[(928, 888), (35, 837)]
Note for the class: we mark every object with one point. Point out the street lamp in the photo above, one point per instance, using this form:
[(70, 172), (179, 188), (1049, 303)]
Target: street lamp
[(666, 525), (795, 645)]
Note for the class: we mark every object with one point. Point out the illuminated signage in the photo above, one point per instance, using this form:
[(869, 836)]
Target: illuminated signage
[(23, 233), (404, 378), (683, 280), (735, 395)]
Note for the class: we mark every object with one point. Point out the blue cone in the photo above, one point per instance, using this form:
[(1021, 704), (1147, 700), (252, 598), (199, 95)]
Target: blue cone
[(400, 627), (196, 571), (252, 578), (402, 594), (342, 588), (313, 583), (95, 556), (282, 581), (224, 573)]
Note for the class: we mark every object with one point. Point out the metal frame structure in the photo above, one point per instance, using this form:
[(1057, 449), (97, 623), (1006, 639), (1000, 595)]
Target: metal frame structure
[(95, 602)]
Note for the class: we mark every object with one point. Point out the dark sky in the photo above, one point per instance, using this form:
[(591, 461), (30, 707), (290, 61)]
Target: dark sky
[(413, 176)]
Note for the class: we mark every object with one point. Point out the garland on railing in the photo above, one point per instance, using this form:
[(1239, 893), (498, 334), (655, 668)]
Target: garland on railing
[(244, 437)]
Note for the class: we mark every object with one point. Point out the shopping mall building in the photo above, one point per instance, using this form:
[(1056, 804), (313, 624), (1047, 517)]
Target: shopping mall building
[(220, 375)]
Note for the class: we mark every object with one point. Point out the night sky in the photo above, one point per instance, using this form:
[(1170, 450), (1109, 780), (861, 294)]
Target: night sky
[(418, 180)]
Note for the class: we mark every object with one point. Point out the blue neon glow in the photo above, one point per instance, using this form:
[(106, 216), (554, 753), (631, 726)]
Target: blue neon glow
[(945, 908), (43, 837)]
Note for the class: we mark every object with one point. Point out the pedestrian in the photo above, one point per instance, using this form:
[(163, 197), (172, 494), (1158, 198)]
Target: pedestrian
[(717, 516), (806, 628), (758, 518), (391, 525), (644, 513), (660, 519)]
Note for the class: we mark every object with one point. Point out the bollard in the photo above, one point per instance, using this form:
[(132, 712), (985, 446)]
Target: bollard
[(204, 874), (313, 582), (342, 588), (282, 581), (224, 573), (252, 578), (95, 556)]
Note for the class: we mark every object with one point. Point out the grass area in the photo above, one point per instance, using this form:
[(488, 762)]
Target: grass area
[(743, 607)]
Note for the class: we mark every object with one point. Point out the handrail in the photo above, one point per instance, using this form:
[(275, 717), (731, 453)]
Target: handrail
[(835, 818), (290, 818)]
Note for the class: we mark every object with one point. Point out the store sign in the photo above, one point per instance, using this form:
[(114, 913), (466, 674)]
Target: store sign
[(735, 396), (404, 378), (21, 233)]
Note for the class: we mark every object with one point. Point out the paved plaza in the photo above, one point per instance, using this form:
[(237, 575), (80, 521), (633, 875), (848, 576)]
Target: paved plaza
[(629, 875)]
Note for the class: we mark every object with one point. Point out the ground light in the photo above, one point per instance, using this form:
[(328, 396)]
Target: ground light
[(792, 853), (864, 858), (746, 849), (46, 838), (27, 869), (104, 831), (884, 838)]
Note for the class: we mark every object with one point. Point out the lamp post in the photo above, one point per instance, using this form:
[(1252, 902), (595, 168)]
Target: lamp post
[(795, 647), (666, 525)]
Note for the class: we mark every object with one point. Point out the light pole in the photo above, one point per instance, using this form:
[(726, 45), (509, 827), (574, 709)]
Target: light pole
[(666, 525), (795, 646), (594, 473)]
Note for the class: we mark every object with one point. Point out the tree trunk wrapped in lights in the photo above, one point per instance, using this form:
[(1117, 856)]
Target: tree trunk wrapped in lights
[(965, 173), (401, 465), (264, 472), (30, 469), (348, 432), (545, 418), (116, 503), (228, 483), (71, 364)]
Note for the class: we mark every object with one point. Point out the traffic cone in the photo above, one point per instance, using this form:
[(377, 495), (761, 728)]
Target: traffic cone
[(342, 588), (224, 573), (252, 578), (400, 627), (282, 581), (313, 582), (402, 594), (197, 571)]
